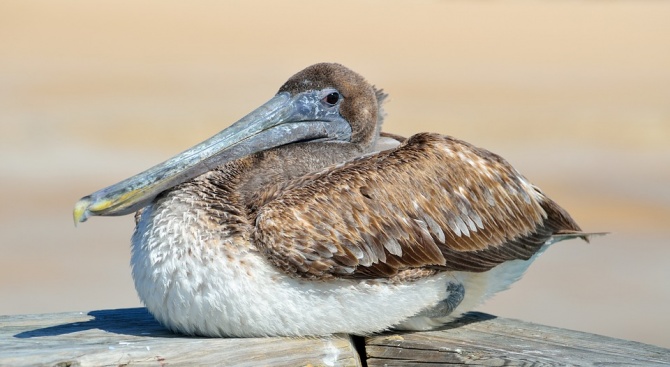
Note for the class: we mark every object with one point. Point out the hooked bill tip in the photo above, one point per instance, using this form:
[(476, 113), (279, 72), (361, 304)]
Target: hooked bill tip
[(80, 213)]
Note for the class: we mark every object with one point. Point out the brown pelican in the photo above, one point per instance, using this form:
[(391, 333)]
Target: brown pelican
[(303, 219)]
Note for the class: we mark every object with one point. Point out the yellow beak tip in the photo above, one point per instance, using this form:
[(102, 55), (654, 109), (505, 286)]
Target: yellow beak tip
[(80, 213)]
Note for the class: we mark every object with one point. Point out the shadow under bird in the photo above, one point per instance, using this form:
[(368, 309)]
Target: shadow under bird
[(303, 219)]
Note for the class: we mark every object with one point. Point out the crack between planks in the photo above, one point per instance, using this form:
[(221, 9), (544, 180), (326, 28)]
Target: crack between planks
[(359, 347)]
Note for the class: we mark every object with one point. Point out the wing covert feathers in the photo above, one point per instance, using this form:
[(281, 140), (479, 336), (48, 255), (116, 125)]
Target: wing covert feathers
[(433, 202)]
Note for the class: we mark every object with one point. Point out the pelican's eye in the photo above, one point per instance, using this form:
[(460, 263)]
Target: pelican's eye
[(332, 98)]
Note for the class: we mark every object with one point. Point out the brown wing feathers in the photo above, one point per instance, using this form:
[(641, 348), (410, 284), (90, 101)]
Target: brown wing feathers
[(433, 202)]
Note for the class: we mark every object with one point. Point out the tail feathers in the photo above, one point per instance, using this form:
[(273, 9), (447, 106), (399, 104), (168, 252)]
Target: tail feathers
[(568, 235)]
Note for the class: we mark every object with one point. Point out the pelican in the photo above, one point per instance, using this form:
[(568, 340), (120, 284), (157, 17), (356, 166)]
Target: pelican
[(303, 219)]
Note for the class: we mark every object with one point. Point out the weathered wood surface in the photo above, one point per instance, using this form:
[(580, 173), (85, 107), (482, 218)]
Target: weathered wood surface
[(131, 337), (484, 340)]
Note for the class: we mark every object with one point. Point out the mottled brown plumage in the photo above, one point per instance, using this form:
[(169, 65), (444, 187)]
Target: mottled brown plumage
[(433, 202)]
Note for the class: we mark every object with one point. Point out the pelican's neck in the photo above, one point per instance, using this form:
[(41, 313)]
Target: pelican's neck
[(260, 174)]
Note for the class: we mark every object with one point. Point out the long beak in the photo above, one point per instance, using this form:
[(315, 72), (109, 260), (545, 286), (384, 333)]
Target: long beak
[(282, 120)]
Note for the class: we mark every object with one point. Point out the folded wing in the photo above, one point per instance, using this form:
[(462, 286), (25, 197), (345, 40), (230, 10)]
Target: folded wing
[(433, 202)]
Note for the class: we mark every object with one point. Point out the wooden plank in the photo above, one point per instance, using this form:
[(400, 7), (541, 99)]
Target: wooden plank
[(131, 337), (484, 340)]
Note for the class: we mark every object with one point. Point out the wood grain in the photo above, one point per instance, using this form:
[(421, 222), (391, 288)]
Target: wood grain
[(131, 337), (485, 340)]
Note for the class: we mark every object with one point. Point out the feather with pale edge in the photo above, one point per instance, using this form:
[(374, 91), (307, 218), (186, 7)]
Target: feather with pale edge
[(470, 210)]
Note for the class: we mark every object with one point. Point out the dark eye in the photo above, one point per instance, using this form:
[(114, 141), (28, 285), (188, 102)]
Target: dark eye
[(332, 98)]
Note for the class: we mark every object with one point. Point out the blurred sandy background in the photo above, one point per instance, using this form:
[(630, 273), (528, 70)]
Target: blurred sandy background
[(576, 94)]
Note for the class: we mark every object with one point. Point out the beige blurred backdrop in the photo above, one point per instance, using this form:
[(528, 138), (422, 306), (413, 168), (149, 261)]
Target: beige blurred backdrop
[(576, 94)]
